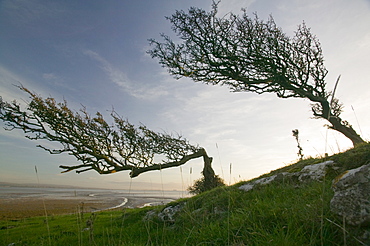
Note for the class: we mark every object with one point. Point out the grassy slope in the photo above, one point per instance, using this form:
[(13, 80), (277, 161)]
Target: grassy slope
[(285, 213)]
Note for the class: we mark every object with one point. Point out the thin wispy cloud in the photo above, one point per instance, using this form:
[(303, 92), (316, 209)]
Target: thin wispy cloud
[(8, 84), (49, 76), (121, 79), (31, 11), (233, 6), (94, 55)]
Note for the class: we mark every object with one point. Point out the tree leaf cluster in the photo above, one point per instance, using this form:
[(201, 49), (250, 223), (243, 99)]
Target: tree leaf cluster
[(100, 146), (244, 53), (248, 54)]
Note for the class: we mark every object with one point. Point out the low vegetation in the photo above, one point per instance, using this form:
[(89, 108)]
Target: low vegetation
[(284, 213)]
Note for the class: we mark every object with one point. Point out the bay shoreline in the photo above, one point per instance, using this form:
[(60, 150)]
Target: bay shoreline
[(28, 202), (14, 209)]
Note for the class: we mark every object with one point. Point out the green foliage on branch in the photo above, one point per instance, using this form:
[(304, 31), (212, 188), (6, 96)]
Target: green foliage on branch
[(100, 146), (248, 54), (201, 185)]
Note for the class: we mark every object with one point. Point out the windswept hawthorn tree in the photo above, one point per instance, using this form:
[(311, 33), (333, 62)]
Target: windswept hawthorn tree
[(248, 54), (98, 145)]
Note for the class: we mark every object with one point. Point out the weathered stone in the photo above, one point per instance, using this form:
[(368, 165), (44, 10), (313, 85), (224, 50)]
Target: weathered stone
[(308, 173), (315, 171), (168, 213), (352, 196), (262, 181)]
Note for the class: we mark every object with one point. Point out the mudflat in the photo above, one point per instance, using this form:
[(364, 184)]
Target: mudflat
[(30, 207)]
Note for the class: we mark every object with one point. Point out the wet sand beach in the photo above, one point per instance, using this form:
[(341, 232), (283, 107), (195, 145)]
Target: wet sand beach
[(54, 202), (30, 207)]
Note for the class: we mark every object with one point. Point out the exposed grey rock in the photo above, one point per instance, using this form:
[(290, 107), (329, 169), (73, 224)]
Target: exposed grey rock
[(308, 173), (262, 181), (315, 171), (167, 214), (247, 187), (352, 196)]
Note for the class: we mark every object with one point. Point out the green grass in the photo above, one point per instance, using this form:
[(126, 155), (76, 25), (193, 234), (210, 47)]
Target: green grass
[(285, 213)]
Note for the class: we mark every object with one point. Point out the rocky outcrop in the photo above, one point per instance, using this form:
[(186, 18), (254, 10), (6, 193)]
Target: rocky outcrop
[(308, 173), (166, 215), (351, 199), (263, 181), (315, 171)]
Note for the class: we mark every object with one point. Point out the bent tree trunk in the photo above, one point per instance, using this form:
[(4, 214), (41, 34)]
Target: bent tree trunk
[(200, 153), (210, 180), (337, 123), (346, 129), (208, 173)]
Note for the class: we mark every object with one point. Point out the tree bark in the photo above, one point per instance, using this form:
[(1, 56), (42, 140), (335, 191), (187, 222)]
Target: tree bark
[(345, 129), (338, 124), (136, 171), (208, 173)]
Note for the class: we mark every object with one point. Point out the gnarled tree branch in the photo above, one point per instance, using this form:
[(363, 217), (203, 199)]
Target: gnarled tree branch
[(105, 148), (247, 54)]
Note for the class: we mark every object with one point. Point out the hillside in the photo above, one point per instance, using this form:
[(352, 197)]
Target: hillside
[(283, 212)]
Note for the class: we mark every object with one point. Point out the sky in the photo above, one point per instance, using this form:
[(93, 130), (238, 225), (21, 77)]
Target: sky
[(93, 53)]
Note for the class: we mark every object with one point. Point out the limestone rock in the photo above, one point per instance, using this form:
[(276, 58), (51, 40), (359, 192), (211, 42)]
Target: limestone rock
[(308, 173), (166, 215), (315, 171), (352, 196), (263, 181)]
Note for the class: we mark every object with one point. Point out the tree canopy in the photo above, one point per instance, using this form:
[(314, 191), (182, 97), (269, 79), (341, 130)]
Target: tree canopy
[(248, 54), (105, 148)]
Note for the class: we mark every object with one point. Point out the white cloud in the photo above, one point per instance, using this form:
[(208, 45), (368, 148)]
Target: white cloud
[(234, 6), (9, 82), (121, 79), (27, 12), (49, 76)]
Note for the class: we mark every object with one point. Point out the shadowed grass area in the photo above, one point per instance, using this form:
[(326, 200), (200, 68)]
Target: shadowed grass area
[(281, 213)]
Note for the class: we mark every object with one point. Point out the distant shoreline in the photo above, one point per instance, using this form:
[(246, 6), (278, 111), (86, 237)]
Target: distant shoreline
[(13, 209), (35, 185), (18, 202)]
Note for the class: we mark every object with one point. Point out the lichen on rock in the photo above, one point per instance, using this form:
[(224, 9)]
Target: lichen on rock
[(351, 198)]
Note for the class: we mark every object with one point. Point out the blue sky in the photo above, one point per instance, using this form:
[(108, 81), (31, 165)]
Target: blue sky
[(93, 53)]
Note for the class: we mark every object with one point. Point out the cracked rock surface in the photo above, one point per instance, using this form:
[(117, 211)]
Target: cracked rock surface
[(352, 196)]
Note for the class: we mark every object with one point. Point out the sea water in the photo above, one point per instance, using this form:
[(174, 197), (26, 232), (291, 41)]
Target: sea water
[(150, 197), (36, 192)]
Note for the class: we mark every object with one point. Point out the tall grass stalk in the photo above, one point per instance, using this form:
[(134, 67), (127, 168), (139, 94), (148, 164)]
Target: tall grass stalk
[(188, 236), (43, 202), (164, 225), (78, 221), (357, 120), (160, 172), (182, 182), (322, 213), (345, 232), (336, 141), (219, 159), (323, 183), (123, 216)]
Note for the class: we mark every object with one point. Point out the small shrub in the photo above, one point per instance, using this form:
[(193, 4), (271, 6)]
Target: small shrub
[(201, 185)]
